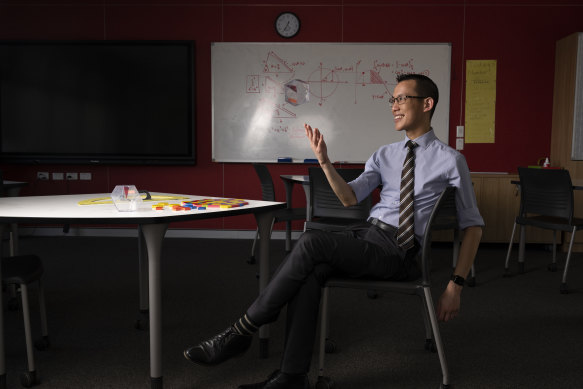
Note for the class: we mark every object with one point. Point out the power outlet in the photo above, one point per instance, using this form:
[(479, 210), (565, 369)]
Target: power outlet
[(459, 144), (43, 176), (72, 176), (58, 176), (85, 176)]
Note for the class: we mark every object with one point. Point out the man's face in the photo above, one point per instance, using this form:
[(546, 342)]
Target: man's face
[(408, 115)]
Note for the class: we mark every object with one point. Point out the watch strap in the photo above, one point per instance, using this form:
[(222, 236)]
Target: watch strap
[(458, 279)]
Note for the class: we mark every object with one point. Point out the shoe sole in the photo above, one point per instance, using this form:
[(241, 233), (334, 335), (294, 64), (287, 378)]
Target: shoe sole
[(210, 364)]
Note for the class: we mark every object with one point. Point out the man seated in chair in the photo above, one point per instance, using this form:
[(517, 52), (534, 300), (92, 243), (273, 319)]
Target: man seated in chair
[(383, 248)]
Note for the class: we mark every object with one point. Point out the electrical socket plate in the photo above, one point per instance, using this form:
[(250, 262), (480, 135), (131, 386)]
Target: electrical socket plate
[(459, 144), (459, 131), (58, 176), (72, 176), (42, 176), (85, 176)]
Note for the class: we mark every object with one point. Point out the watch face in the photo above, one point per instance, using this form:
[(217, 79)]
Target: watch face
[(287, 25)]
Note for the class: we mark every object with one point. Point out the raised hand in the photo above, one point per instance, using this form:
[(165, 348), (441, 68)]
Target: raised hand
[(317, 143)]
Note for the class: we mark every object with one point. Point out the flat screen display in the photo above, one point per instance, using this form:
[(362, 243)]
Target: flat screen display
[(109, 102)]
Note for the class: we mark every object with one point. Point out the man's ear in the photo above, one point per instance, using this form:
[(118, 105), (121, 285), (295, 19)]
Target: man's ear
[(428, 104)]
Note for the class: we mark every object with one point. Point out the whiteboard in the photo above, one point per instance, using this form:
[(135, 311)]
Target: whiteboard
[(349, 88)]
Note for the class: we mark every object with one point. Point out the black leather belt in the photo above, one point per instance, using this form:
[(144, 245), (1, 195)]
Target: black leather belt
[(382, 225)]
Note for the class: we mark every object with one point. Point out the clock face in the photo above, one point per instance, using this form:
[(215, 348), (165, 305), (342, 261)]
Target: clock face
[(287, 24)]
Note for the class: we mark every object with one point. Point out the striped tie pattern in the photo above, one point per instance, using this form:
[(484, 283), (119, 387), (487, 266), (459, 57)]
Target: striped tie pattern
[(406, 232)]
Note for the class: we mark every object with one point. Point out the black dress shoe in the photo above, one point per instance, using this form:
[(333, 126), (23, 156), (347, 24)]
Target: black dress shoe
[(279, 380), (219, 348)]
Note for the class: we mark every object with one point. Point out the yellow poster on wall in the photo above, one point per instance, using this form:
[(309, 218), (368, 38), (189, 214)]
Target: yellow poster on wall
[(480, 101)]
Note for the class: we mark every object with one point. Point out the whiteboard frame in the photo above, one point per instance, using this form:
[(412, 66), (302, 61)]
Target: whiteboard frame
[(442, 130)]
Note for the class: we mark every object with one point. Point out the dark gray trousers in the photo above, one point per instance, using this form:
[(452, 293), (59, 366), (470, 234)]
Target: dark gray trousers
[(362, 251)]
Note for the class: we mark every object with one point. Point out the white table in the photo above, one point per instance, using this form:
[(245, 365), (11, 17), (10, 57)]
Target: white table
[(64, 209), (12, 189)]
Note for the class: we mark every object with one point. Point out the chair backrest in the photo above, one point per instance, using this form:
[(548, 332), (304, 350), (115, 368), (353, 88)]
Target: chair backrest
[(443, 216), (324, 202), (267, 188), (547, 192)]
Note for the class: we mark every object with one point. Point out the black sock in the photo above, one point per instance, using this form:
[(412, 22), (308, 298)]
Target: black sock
[(244, 326)]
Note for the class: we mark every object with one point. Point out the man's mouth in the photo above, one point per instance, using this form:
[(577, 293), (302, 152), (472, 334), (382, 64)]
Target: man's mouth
[(399, 117)]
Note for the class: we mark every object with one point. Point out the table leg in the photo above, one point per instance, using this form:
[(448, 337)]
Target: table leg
[(154, 235), (264, 220), (2, 355), (142, 320), (13, 239)]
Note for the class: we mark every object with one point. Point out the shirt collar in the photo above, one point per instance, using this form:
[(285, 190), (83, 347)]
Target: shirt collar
[(424, 140)]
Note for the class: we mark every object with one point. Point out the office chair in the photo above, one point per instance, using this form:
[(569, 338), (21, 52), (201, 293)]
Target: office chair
[(23, 270), (546, 201), (443, 216), (328, 213), (282, 215), (20, 271)]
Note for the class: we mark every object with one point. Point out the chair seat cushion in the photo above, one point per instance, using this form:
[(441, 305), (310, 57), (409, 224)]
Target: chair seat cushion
[(21, 269), (331, 224), (550, 222), (406, 287)]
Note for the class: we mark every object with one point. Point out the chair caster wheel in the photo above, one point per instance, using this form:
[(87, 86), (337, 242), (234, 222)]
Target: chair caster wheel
[(430, 345), (28, 379), (330, 346), (324, 383), (444, 386), (372, 294), (251, 260), (472, 282), (552, 267), (564, 289), (42, 344)]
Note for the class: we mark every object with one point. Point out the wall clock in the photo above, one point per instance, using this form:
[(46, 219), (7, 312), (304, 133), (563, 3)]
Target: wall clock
[(287, 24)]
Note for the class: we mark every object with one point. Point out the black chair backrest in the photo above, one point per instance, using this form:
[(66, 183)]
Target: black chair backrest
[(446, 216), (325, 204), (443, 216), (547, 192), (267, 188)]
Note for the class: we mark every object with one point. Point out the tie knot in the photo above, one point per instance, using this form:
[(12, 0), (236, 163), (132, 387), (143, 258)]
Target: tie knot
[(411, 145)]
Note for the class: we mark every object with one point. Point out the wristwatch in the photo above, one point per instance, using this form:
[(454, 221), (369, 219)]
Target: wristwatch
[(458, 279)]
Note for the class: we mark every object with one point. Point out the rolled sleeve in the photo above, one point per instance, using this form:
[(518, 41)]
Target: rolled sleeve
[(466, 204)]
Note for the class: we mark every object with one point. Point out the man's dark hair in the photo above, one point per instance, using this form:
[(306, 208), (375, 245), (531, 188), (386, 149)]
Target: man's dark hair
[(424, 87)]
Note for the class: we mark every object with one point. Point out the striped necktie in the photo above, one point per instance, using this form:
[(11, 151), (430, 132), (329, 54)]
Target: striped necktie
[(406, 232)]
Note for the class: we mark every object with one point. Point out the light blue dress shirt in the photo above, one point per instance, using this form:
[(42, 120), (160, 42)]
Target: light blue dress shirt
[(436, 166)]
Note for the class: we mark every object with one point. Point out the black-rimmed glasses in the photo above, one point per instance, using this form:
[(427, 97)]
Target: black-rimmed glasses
[(401, 99)]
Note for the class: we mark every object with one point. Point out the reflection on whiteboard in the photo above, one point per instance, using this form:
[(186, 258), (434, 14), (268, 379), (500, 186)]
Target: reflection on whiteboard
[(347, 86)]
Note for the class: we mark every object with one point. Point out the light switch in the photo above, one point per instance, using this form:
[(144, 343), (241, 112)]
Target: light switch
[(459, 131)]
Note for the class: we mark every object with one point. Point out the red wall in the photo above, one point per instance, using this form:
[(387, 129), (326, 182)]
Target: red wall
[(519, 34)]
